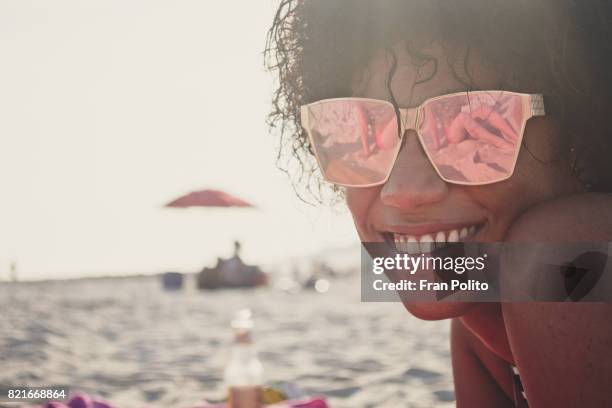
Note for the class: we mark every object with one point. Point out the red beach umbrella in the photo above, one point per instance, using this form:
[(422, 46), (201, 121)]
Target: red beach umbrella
[(208, 198)]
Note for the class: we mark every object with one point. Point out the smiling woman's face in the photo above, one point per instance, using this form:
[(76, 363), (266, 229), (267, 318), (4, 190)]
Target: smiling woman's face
[(415, 204)]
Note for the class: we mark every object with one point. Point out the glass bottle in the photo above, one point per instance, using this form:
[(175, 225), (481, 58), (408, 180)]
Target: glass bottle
[(243, 374)]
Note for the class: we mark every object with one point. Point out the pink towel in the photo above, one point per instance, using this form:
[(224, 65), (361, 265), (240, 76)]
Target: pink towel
[(85, 401), (80, 401), (302, 403)]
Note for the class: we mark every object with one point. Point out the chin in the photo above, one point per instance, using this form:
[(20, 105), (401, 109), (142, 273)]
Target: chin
[(438, 310)]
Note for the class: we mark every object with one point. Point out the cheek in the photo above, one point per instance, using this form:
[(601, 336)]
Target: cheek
[(538, 176), (359, 201), (542, 140)]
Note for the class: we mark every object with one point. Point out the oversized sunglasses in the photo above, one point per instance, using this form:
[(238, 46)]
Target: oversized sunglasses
[(470, 138)]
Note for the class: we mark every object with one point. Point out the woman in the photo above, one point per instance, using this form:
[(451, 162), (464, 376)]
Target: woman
[(465, 168)]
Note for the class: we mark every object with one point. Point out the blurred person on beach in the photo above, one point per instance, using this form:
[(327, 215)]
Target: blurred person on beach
[(232, 272), (13, 272), (407, 52), (233, 267)]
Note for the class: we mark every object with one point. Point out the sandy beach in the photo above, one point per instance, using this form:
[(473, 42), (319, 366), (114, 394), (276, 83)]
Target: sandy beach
[(136, 345)]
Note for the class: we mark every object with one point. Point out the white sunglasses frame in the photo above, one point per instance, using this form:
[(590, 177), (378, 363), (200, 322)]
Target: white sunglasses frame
[(533, 105)]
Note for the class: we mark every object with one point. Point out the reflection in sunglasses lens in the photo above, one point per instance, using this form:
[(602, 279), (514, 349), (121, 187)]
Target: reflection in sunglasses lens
[(355, 140), (473, 137)]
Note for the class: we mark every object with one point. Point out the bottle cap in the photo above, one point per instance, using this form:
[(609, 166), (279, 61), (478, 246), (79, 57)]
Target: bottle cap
[(242, 325)]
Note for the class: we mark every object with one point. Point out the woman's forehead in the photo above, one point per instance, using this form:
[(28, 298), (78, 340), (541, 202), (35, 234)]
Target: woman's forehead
[(422, 74)]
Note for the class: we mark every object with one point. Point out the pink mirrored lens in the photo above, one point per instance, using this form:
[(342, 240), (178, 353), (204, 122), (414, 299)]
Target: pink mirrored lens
[(355, 140), (473, 137)]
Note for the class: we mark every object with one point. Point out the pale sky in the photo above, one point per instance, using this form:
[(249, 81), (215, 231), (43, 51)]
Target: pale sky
[(109, 109)]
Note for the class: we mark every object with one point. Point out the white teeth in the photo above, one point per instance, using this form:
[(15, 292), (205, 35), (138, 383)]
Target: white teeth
[(426, 238), (440, 240), (398, 242), (413, 246), (426, 242), (427, 247)]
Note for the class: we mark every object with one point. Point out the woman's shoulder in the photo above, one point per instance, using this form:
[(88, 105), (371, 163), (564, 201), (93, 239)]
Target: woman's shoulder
[(548, 338), (578, 217)]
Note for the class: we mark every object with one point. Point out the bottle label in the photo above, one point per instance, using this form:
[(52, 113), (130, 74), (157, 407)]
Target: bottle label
[(245, 397)]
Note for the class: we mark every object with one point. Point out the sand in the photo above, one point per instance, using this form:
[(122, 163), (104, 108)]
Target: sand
[(138, 346)]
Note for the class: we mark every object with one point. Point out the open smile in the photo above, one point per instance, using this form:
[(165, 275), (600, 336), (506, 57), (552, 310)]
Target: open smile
[(421, 241)]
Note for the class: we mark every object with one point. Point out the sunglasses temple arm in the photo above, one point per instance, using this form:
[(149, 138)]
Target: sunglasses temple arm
[(537, 105), (304, 116)]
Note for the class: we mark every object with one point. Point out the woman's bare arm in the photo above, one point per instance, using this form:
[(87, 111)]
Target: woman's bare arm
[(564, 351)]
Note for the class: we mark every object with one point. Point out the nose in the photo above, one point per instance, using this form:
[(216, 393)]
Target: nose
[(413, 181)]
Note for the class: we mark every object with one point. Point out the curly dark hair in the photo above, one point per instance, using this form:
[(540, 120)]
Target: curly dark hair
[(317, 46)]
